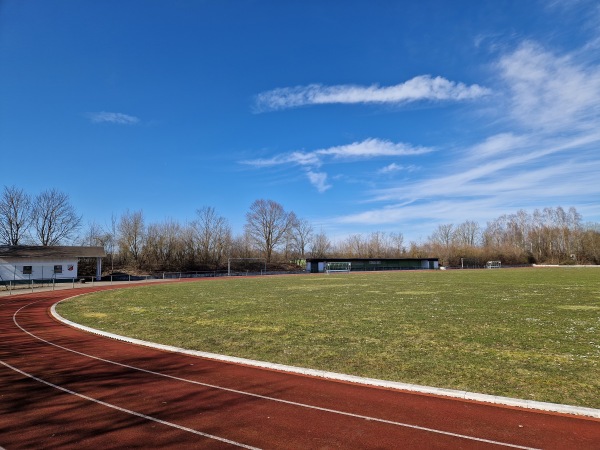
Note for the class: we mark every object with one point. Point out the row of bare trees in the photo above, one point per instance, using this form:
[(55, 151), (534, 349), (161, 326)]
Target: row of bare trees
[(551, 235), (45, 219), (206, 243)]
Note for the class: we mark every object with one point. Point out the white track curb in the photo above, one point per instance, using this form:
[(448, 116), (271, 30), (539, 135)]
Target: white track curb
[(507, 401)]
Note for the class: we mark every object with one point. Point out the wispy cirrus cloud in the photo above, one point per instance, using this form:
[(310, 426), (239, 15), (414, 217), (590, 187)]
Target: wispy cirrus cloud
[(545, 155), (420, 88), (538, 148), (356, 151), (112, 117), (367, 149), (548, 91)]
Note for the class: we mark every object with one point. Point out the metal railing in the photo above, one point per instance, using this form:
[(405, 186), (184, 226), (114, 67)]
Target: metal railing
[(32, 284)]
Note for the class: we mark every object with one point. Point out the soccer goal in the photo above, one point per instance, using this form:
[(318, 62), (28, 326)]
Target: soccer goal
[(338, 266), (256, 262)]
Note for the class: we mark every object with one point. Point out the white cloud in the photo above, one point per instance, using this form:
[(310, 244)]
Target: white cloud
[(419, 88), (112, 117), (363, 150), (546, 155), (393, 168), (539, 150), (372, 148), (548, 91), (318, 180), (294, 158), (529, 170), (498, 145), (367, 149)]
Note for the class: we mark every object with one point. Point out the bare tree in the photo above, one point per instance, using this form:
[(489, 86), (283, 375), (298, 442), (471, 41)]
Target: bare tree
[(267, 223), (162, 245), (93, 234), (242, 247), (442, 240), (354, 246), (590, 242), (442, 235), (397, 240), (110, 242), (301, 235), (132, 234), (467, 234), (321, 246), (15, 215), (54, 218), (212, 235), (377, 245)]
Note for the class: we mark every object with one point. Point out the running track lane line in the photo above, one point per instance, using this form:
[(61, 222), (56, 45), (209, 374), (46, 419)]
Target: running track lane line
[(109, 405), (128, 411), (250, 394)]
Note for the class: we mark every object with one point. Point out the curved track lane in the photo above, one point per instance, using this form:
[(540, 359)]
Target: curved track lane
[(64, 388)]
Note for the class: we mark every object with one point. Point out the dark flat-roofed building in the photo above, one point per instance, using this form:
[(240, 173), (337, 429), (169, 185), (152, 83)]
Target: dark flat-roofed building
[(318, 265)]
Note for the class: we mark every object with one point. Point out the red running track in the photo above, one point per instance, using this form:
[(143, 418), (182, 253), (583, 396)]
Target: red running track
[(61, 388)]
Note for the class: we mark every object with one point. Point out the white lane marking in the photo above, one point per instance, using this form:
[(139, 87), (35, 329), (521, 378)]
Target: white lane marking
[(128, 411), (264, 397)]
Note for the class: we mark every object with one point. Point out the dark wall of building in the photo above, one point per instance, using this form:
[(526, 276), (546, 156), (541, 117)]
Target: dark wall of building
[(368, 265)]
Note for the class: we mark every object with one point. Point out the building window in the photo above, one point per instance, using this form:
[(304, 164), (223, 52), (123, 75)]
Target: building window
[(58, 269), (27, 270)]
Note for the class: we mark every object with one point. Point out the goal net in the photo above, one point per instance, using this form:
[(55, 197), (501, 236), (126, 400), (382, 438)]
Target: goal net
[(246, 265), (338, 266)]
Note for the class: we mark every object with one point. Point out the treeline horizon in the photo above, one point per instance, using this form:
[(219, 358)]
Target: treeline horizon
[(551, 235)]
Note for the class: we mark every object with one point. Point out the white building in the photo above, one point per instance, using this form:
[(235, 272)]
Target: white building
[(28, 262)]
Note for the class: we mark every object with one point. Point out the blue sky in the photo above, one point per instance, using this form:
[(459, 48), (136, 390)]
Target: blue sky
[(359, 116)]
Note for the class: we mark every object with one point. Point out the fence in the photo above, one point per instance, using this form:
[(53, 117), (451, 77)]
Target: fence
[(14, 285), (62, 283)]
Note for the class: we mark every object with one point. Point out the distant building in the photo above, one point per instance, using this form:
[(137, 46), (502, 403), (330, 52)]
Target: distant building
[(29, 262), (319, 265)]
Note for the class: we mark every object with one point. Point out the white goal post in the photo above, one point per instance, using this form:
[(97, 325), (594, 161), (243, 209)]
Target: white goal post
[(263, 260), (338, 266)]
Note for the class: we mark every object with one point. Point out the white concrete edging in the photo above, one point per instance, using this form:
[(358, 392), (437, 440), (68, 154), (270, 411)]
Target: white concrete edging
[(485, 398)]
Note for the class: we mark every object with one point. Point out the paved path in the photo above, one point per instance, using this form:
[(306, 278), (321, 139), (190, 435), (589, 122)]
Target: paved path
[(61, 388)]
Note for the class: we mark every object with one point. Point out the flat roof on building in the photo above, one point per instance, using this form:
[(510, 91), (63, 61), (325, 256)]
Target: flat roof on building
[(56, 251)]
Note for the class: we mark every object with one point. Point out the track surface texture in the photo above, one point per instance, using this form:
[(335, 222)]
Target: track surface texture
[(62, 388)]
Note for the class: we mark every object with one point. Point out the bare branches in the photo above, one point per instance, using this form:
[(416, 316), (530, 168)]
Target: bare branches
[(267, 224), (548, 235), (54, 218), (15, 215), (132, 235), (212, 236)]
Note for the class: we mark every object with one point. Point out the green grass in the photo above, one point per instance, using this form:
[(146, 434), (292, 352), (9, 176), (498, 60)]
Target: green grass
[(526, 333)]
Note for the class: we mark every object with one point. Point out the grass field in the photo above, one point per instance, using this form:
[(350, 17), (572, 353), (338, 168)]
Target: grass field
[(526, 333)]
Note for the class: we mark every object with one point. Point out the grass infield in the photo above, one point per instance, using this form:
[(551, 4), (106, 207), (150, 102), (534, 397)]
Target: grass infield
[(526, 333)]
